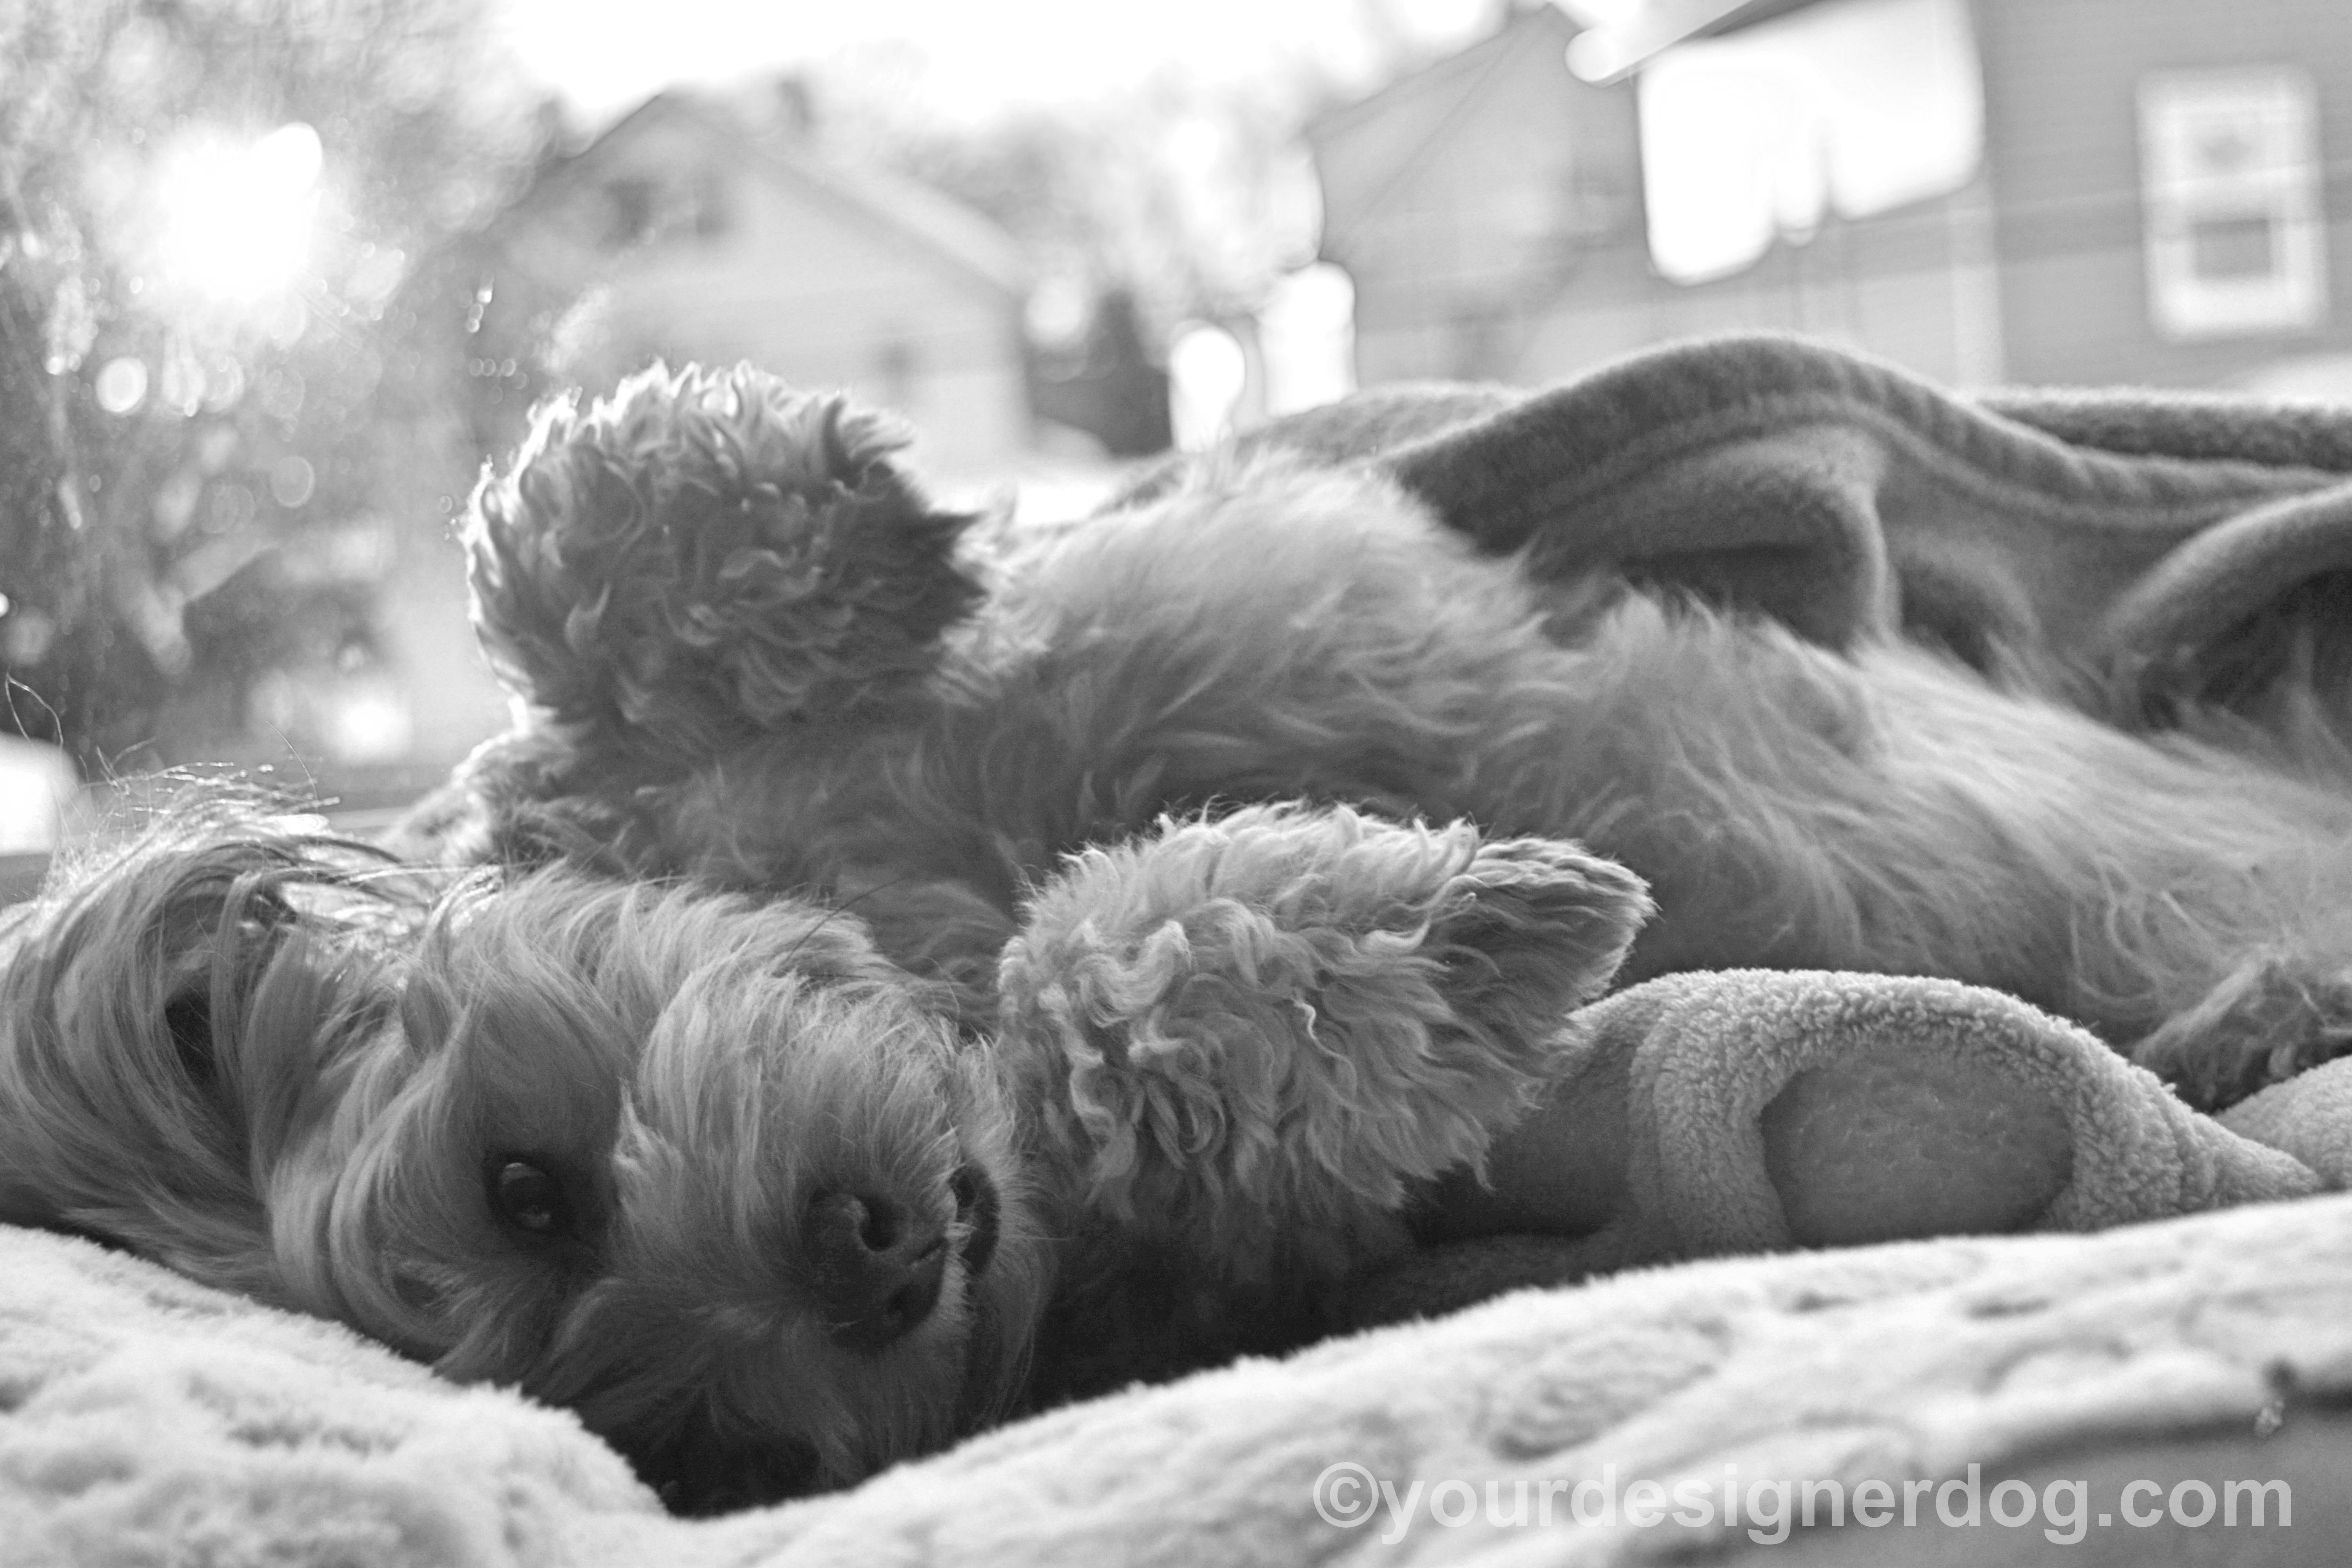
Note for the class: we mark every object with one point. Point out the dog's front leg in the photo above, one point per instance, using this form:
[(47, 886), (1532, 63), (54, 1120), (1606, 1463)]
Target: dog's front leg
[(1238, 1042), (2266, 1020)]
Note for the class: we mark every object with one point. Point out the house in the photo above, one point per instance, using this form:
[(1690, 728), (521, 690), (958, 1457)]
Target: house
[(687, 231), (1486, 199), (2168, 197), (1492, 211), (2049, 191)]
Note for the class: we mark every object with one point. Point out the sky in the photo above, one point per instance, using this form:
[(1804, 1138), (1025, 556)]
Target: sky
[(968, 57)]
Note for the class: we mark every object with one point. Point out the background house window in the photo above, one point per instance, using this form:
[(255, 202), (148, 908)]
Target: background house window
[(711, 217), (630, 212), (644, 209), (2231, 181)]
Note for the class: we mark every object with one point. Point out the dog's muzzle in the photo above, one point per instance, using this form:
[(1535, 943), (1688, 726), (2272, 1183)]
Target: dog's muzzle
[(879, 1265)]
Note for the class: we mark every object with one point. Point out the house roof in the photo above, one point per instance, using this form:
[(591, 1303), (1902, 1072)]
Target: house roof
[(1611, 53), (903, 210), (1429, 102), (1435, 90)]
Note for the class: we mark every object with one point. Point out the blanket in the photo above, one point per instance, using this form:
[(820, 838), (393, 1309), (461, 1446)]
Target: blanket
[(2170, 1393), (1752, 1111), (2133, 551), (2127, 552)]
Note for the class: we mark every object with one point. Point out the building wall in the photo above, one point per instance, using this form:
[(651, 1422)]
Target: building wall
[(741, 258), (826, 299), (1514, 246), (1914, 287), (2061, 78), (1467, 202), (734, 260)]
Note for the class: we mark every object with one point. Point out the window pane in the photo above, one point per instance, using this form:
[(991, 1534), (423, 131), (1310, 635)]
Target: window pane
[(2226, 248)]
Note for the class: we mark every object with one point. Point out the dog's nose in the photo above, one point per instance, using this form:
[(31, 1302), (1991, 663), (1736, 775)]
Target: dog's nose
[(877, 1266)]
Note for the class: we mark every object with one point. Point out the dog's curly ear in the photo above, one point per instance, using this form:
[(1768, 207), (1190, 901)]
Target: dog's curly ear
[(1251, 1027), (707, 555), (1533, 929), (164, 1013)]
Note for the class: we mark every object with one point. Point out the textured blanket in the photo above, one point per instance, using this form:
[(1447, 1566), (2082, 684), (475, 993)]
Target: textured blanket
[(2172, 1392), (2124, 551), (2133, 550)]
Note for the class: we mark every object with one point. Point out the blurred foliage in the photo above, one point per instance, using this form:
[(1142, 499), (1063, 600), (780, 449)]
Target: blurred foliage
[(1108, 382), (1189, 199), (195, 482), (1132, 214), (1184, 201)]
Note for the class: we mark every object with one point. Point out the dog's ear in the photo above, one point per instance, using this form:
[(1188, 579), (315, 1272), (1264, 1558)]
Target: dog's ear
[(1251, 1027), (1533, 929), (706, 556), (161, 1012)]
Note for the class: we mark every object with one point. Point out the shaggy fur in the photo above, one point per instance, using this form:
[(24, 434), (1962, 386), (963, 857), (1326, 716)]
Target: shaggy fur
[(1281, 631), (1169, 1013), (780, 1222)]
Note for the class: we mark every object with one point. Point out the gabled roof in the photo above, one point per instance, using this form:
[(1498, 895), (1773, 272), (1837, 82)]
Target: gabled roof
[(1613, 53), (903, 210), (1435, 90), (1425, 104), (1422, 106)]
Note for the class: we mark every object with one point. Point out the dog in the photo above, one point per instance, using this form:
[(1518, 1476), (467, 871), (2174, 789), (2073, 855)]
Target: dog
[(713, 1172), (925, 965), (752, 654)]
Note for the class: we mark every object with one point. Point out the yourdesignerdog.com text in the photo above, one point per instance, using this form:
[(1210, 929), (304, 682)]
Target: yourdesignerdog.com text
[(1352, 1496)]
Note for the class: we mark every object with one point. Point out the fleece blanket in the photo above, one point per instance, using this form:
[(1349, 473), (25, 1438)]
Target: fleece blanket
[(2170, 1393), (2187, 1337), (2133, 549), (1750, 1111)]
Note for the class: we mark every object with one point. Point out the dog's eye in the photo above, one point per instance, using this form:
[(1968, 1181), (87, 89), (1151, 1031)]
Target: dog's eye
[(526, 1196)]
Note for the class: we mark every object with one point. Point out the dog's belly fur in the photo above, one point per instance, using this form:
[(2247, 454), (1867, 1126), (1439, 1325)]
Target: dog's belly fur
[(1313, 636)]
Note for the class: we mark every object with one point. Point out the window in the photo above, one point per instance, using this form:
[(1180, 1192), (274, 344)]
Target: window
[(709, 214), (630, 212), (2230, 181), (643, 210)]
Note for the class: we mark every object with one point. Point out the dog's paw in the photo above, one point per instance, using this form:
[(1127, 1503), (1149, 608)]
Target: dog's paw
[(707, 554), (2266, 1021), (1268, 1024)]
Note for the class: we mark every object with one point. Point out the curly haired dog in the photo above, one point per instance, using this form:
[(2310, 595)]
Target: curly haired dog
[(964, 964), (754, 654), (716, 1174)]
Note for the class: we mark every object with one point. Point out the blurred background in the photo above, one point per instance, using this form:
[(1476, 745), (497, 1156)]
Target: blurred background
[(277, 276)]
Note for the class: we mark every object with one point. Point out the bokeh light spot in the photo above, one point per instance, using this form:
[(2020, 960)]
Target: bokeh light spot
[(238, 219), (123, 385), (232, 507), (224, 382), (291, 480)]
